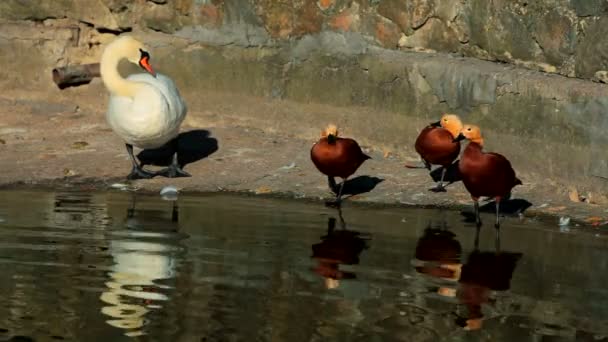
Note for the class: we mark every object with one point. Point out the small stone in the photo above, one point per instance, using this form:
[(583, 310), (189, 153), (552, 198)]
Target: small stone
[(263, 190), (288, 167), (2, 142), (169, 193), (69, 172), (573, 194), (601, 76), (119, 186), (80, 145)]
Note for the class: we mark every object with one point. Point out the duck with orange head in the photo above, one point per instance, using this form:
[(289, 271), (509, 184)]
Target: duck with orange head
[(436, 146), (485, 174), (337, 157)]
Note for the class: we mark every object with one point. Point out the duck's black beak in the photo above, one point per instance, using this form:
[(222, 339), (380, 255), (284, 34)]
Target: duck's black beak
[(435, 124), (459, 138)]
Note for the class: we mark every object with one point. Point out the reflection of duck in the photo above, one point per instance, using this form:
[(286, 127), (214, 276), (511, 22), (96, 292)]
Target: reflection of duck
[(438, 254), (338, 247), (483, 272), (132, 291)]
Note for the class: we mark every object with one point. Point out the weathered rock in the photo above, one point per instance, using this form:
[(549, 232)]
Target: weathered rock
[(591, 53), (585, 8), (395, 10), (94, 12), (346, 20), (386, 32), (435, 34), (556, 36), (168, 18)]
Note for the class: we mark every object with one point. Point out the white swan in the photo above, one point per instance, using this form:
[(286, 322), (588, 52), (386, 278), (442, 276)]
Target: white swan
[(146, 109)]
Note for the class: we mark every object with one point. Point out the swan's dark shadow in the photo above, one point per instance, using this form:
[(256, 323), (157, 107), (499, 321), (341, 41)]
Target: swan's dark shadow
[(360, 185), (451, 175), (510, 207), (338, 247), (192, 146)]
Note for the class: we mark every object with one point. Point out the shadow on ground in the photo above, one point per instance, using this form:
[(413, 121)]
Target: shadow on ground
[(451, 175), (192, 146), (510, 207), (360, 185)]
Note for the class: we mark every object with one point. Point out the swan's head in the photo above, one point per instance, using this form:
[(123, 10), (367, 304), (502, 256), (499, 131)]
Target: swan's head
[(134, 51)]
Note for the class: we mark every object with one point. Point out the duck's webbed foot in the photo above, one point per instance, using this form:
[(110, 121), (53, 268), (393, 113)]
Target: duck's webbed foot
[(439, 188)]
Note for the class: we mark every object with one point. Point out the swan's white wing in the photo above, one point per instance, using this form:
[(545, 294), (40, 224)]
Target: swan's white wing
[(153, 116), (167, 88)]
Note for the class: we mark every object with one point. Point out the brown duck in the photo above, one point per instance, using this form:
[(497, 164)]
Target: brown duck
[(436, 146), (484, 173), (336, 157)]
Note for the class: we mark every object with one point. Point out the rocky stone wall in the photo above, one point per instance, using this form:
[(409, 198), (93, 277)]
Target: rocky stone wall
[(568, 37)]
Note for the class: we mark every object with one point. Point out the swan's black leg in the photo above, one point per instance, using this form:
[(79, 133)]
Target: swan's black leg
[(137, 172), (174, 170)]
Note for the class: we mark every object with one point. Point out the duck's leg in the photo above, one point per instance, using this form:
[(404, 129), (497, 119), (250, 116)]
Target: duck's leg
[(476, 243), (338, 200), (477, 217), (339, 197), (137, 172), (440, 187), (174, 170), (427, 165), (497, 225), (342, 222), (331, 181)]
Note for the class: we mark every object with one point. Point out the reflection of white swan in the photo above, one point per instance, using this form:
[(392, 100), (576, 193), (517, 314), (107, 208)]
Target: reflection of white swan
[(137, 265)]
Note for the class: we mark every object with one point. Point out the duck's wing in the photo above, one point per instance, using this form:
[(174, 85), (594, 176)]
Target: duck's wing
[(353, 147), (502, 163)]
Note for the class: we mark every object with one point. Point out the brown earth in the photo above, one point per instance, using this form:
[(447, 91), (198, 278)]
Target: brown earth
[(262, 148)]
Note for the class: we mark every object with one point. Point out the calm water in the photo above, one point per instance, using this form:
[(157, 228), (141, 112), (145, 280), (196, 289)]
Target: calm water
[(115, 266)]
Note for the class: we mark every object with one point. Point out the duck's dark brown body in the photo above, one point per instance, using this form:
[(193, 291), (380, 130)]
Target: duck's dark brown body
[(341, 158), (436, 146), (486, 174)]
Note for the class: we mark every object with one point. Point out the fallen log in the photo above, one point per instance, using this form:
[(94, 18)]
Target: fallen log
[(75, 75)]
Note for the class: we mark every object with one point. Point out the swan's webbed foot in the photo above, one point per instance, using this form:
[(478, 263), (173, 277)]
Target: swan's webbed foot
[(139, 173), (173, 171)]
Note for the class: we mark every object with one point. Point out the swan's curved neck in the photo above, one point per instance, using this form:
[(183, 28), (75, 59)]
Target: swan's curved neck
[(110, 76)]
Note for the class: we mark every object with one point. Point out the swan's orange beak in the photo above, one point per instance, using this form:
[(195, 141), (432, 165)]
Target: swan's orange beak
[(144, 62)]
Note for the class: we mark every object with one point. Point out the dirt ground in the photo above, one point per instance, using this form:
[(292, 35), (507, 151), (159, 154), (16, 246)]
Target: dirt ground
[(234, 143)]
